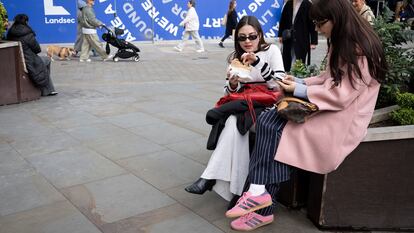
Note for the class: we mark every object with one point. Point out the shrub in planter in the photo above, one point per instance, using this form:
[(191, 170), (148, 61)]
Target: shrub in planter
[(3, 20), (404, 115), (399, 55), (301, 70)]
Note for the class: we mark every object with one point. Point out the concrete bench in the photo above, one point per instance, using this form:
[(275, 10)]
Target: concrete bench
[(15, 85)]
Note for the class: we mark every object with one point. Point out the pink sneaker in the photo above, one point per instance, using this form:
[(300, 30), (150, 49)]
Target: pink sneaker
[(248, 203), (250, 222)]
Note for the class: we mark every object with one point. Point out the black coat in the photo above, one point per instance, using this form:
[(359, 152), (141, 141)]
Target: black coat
[(217, 117), (304, 32), (35, 66), (231, 22)]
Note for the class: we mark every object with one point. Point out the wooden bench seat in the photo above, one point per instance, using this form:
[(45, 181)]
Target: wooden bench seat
[(15, 85)]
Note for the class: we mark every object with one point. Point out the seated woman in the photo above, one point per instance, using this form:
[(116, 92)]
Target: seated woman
[(38, 67), (345, 94), (228, 166)]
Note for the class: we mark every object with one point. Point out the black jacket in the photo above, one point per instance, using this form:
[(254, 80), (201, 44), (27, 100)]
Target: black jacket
[(304, 32), (35, 65), (231, 22), (217, 117)]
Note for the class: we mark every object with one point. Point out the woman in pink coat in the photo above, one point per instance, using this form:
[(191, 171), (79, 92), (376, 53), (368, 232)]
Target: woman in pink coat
[(345, 94)]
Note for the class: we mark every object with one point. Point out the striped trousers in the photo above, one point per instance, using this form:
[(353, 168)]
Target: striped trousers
[(263, 168)]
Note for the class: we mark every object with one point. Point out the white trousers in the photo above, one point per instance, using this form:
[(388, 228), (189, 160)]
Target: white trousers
[(229, 163), (195, 36)]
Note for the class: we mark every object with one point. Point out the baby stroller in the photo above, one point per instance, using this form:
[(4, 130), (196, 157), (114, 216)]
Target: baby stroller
[(125, 49)]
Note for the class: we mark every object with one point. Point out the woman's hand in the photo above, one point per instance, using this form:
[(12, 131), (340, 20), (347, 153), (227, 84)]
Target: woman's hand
[(248, 58), (234, 81), (289, 77), (287, 85)]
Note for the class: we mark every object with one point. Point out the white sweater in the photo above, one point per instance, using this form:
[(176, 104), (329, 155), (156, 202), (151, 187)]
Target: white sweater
[(260, 72), (190, 21)]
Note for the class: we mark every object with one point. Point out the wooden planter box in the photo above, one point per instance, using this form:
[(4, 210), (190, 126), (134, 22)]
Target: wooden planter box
[(373, 189), (15, 85)]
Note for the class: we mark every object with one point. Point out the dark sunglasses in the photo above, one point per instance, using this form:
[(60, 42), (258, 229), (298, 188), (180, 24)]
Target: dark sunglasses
[(320, 23), (244, 38)]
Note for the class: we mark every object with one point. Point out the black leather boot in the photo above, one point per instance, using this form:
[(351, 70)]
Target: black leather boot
[(200, 186)]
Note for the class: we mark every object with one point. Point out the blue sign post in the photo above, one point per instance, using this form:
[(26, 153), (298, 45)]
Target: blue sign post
[(54, 21)]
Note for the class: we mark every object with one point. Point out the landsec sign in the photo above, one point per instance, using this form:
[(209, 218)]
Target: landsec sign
[(54, 21)]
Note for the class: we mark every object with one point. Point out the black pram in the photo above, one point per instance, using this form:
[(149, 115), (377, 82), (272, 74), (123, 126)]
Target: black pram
[(125, 49)]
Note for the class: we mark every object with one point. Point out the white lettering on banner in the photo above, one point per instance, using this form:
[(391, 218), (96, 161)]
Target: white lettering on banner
[(51, 9), (176, 11), (255, 5), (271, 32), (135, 19), (166, 1), (216, 23), (60, 20), (275, 5), (117, 22), (109, 10), (268, 12), (153, 13), (242, 13), (210, 37), (101, 1)]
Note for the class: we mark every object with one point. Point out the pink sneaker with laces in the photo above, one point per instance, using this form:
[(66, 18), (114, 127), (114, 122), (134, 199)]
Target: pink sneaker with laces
[(248, 203), (250, 222)]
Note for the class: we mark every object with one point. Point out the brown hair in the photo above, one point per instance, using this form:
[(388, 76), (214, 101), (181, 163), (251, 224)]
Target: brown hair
[(351, 38), (232, 4)]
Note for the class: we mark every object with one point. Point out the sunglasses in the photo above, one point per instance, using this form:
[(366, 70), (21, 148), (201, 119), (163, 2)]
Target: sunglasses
[(320, 23), (244, 38)]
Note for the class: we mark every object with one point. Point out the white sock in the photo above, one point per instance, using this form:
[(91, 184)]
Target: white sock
[(257, 189)]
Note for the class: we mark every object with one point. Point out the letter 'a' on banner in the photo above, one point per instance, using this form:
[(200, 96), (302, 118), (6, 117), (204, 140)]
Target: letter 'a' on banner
[(54, 21)]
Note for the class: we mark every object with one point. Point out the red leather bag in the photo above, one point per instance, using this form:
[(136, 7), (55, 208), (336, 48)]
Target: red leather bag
[(258, 93), (250, 93)]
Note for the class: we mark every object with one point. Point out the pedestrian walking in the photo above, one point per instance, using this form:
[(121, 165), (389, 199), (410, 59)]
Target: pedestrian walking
[(230, 20), (191, 25), (90, 39)]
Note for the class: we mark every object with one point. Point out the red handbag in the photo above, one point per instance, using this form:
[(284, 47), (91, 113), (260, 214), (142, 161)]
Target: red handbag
[(250, 93)]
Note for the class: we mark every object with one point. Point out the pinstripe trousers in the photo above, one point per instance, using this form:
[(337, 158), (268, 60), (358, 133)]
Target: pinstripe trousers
[(263, 168)]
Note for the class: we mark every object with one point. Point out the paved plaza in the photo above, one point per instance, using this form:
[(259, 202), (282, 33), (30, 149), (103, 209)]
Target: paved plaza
[(114, 150)]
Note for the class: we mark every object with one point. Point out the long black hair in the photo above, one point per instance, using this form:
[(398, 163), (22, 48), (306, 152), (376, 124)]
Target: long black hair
[(252, 21), (351, 37)]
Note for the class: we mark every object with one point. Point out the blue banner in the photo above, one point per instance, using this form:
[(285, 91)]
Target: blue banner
[(54, 21)]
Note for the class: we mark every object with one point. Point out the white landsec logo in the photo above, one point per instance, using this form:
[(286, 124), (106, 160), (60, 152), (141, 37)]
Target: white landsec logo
[(51, 9)]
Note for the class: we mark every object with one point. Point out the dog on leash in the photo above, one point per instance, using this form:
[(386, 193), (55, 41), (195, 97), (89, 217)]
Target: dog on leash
[(61, 52)]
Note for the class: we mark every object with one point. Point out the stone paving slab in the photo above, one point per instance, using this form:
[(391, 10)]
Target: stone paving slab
[(25, 190), (59, 217), (115, 198), (113, 151)]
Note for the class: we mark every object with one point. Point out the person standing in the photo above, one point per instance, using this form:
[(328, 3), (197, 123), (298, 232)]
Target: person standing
[(345, 93), (364, 10), (78, 43), (191, 25), (295, 17), (230, 21), (90, 38), (37, 67)]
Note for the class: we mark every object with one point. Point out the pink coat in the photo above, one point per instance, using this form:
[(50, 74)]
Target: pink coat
[(325, 139)]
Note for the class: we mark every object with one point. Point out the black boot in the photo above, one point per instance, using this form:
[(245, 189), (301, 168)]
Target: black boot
[(233, 202), (221, 44), (200, 186)]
